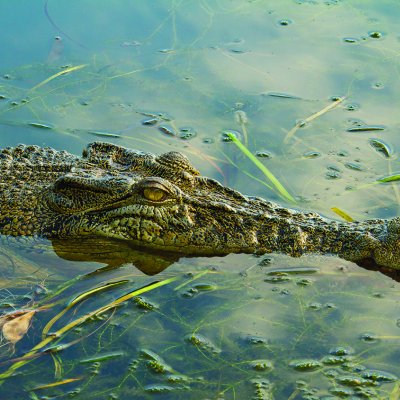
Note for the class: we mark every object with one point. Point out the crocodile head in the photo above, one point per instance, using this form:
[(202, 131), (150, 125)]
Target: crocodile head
[(159, 202), (162, 203)]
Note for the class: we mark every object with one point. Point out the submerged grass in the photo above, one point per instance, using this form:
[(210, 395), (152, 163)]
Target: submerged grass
[(63, 72), (30, 355)]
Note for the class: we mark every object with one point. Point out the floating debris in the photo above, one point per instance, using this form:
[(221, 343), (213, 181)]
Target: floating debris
[(381, 147), (369, 337), (150, 121), (305, 365), (375, 35), (238, 51), (227, 136), (366, 128), (378, 376), (145, 304), (103, 357), (263, 154), (201, 341), (390, 178), (353, 380), (285, 22), (159, 366), (278, 278), (175, 378), (312, 154), (40, 125), (157, 388), (204, 287), (352, 107), (304, 282), (15, 325), (54, 384), (334, 360), (378, 85), (160, 116), (294, 271), (265, 261), (255, 340), (333, 174), (155, 362), (261, 365), (167, 130), (104, 134), (282, 95), (166, 51), (262, 389), (350, 40), (354, 166), (187, 133)]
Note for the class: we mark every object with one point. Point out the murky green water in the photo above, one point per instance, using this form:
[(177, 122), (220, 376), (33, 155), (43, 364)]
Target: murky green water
[(178, 75)]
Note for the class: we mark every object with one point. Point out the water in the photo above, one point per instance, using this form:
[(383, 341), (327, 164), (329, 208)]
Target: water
[(177, 75)]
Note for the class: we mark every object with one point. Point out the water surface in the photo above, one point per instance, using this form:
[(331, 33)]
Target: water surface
[(177, 75)]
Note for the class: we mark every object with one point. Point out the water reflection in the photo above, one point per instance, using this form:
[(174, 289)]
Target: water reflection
[(113, 253)]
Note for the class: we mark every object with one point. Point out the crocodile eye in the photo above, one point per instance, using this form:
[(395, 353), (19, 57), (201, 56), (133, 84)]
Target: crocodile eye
[(154, 194)]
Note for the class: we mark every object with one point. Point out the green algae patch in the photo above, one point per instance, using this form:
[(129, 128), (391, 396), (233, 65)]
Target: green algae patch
[(305, 365), (261, 365)]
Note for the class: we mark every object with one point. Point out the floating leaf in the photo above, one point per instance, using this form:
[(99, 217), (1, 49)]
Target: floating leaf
[(104, 134), (15, 329), (282, 95), (381, 147), (40, 125), (366, 128)]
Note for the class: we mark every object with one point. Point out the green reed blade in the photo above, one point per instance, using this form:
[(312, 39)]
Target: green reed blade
[(269, 175)]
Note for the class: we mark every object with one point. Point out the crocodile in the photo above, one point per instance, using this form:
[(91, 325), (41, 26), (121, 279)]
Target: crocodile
[(162, 203)]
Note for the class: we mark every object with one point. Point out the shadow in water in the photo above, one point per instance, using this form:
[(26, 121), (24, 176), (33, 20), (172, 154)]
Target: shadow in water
[(113, 253)]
